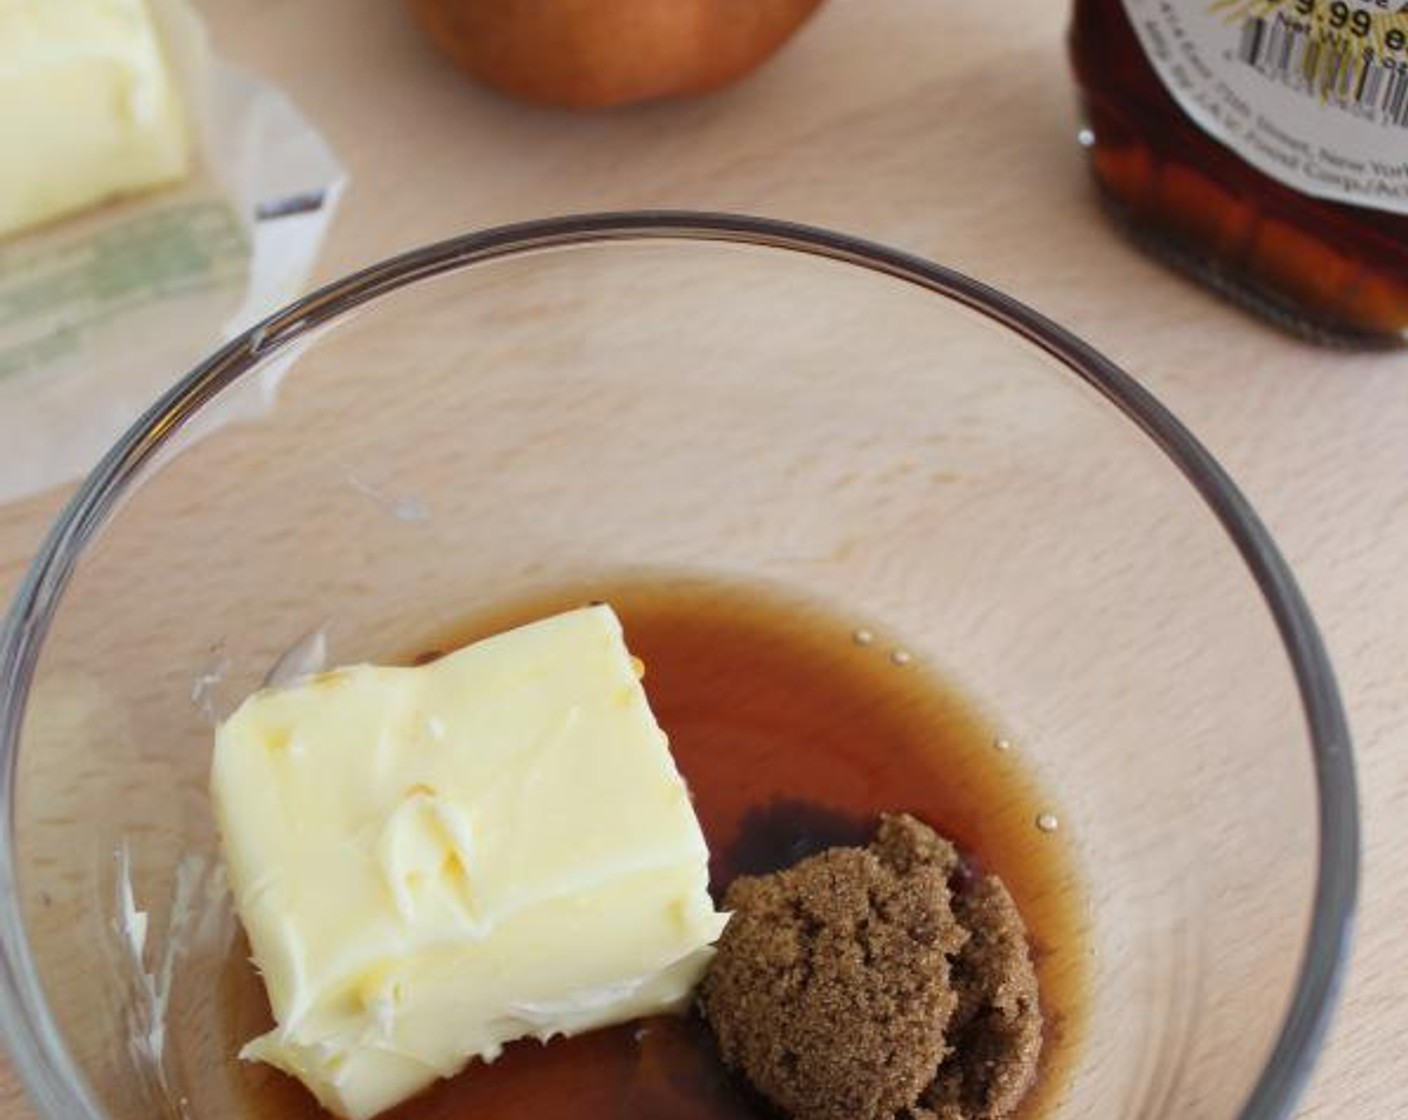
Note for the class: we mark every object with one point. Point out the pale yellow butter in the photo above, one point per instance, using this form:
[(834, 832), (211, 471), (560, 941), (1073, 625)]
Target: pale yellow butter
[(88, 107), (431, 862)]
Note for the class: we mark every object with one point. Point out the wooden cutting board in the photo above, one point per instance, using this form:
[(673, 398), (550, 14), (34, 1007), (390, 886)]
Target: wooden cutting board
[(948, 130)]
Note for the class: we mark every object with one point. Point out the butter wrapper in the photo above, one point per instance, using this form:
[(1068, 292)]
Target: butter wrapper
[(102, 312)]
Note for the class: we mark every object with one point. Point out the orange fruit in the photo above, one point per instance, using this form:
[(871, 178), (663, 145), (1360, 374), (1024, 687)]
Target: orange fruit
[(591, 54)]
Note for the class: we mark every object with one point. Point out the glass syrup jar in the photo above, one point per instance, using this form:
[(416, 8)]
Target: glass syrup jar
[(1262, 146)]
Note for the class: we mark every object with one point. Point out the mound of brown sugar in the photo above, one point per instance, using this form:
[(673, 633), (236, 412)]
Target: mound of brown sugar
[(994, 1035), (858, 986)]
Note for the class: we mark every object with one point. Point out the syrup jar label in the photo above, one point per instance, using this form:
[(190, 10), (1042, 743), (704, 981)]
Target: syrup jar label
[(1313, 93)]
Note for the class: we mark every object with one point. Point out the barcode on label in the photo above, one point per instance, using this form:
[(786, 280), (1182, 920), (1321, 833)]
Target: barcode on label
[(1335, 71)]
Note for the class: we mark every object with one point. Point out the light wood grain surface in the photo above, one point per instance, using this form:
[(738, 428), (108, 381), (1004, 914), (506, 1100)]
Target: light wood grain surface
[(948, 130)]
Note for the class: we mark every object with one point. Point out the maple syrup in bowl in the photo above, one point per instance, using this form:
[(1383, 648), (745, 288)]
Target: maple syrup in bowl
[(885, 540)]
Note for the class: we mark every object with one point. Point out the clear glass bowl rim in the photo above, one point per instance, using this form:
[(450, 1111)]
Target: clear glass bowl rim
[(56, 1086)]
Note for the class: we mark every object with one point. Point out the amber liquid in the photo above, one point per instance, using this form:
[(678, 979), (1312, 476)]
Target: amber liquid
[(1336, 272), (793, 735)]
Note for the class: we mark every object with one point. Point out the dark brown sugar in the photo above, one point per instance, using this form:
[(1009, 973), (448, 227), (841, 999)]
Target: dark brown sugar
[(857, 986), (830, 990), (994, 1035)]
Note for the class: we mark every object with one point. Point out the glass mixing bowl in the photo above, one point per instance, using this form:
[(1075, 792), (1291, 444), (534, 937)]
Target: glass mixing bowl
[(759, 402)]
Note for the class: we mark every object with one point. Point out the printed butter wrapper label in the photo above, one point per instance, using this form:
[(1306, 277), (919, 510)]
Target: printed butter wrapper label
[(103, 312), (1313, 93)]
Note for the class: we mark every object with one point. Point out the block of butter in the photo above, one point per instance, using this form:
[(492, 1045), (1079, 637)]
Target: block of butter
[(431, 862), (88, 107)]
